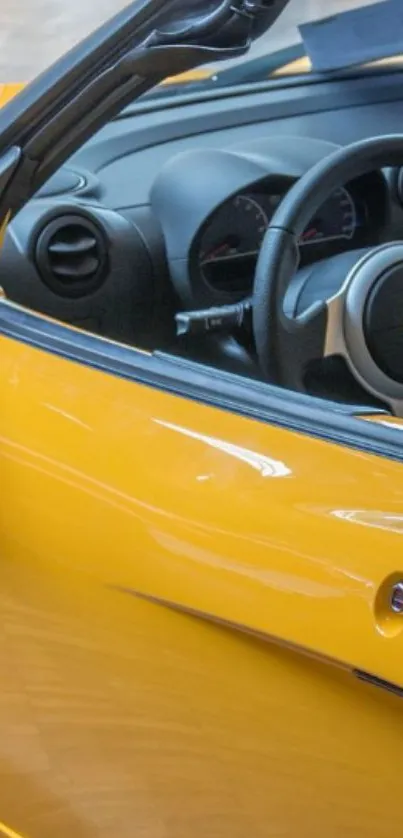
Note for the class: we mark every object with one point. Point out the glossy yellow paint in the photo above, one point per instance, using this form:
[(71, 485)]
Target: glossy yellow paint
[(122, 715), (6, 832), (8, 91), (190, 75), (303, 65)]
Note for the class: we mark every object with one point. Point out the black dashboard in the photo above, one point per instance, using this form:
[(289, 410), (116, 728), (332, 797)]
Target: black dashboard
[(167, 206)]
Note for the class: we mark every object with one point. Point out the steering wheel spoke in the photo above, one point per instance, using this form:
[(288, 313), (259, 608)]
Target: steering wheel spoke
[(302, 340), (307, 326), (334, 340)]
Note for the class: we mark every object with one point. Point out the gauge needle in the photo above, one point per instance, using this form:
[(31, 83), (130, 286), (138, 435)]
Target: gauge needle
[(222, 248), (310, 233)]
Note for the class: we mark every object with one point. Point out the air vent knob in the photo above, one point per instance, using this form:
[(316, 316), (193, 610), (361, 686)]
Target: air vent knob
[(71, 256)]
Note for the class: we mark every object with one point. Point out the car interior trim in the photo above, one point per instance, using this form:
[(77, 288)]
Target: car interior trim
[(315, 84), (192, 115)]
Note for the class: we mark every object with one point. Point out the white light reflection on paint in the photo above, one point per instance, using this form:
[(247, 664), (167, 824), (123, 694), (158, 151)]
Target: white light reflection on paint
[(68, 416), (260, 462), (368, 518)]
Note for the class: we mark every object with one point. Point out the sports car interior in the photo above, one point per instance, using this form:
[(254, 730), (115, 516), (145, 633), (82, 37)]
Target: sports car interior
[(164, 227)]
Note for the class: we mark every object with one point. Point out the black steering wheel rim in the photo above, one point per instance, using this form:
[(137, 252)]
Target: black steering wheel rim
[(279, 339)]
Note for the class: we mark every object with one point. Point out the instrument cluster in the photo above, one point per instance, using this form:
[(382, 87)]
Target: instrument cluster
[(232, 238)]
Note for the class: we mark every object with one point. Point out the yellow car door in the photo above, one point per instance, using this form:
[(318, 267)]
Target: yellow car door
[(191, 604)]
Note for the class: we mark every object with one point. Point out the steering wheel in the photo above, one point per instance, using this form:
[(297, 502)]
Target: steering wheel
[(355, 308)]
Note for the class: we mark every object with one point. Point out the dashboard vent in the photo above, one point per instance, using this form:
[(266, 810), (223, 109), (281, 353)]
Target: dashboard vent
[(71, 256)]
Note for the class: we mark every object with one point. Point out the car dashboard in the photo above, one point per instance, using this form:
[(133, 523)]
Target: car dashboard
[(165, 209)]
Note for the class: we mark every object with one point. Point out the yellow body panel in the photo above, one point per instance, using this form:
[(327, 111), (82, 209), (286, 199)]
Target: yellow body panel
[(132, 523), (303, 65), (8, 91)]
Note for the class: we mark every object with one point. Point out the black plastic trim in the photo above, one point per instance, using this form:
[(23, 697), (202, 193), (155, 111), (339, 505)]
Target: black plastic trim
[(142, 126), (378, 682), (329, 421), (385, 86)]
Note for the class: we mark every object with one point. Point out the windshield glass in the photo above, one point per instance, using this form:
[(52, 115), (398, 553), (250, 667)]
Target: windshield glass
[(34, 33)]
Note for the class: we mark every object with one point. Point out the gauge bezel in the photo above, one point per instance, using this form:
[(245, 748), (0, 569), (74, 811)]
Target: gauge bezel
[(275, 184), (358, 192), (209, 266), (248, 198)]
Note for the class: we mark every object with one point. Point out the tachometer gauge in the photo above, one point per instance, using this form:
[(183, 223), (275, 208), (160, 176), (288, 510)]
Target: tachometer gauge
[(232, 242), (336, 219), (237, 230)]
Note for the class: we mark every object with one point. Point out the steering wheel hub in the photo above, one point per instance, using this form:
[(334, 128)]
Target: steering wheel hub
[(383, 322)]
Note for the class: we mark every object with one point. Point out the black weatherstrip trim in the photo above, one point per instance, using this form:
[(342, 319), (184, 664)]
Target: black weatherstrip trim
[(379, 682), (328, 421), (232, 626)]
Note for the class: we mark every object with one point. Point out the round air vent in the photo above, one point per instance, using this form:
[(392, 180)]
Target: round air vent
[(71, 256)]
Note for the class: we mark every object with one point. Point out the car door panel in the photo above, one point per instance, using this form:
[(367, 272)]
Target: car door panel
[(177, 582), (214, 512), (119, 716)]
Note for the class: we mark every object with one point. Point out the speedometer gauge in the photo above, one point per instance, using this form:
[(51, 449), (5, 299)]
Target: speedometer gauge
[(336, 219)]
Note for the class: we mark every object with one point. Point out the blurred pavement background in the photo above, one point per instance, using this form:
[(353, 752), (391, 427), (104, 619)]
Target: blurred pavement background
[(34, 33)]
